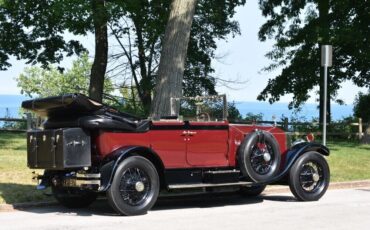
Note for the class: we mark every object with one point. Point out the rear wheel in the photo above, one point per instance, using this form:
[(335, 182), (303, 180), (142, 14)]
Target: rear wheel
[(135, 186), (252, 191), (309, 177), (73, 197)]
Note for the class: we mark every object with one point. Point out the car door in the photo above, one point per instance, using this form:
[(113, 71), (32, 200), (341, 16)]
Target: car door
[(207, 144), (167, 139)]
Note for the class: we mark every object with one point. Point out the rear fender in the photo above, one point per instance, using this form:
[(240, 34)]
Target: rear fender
[(112, 161)]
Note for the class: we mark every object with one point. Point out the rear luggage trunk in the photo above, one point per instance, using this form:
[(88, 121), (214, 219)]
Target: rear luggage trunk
[(58, 149)]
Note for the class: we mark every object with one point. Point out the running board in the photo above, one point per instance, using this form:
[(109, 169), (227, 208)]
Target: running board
[(207, 185)]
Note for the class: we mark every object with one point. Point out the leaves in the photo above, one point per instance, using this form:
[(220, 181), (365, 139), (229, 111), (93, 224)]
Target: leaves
[(35, 81), (298, 30)]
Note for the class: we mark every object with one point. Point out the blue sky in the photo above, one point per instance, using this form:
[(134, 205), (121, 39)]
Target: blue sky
[(243, 58)]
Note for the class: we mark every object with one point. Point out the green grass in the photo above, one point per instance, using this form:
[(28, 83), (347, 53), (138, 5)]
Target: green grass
[(348, 161), (16, 184)]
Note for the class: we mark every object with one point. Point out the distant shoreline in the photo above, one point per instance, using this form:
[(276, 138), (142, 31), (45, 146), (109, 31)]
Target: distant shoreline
[(279, 109)]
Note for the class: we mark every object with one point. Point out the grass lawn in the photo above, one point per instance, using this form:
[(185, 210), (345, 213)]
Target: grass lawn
[(16, 184), (348, 161)]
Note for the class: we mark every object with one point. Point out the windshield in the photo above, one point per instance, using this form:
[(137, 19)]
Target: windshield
[(201, 108)]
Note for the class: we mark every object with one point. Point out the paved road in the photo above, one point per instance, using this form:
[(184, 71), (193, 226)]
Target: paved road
[(338, 209)]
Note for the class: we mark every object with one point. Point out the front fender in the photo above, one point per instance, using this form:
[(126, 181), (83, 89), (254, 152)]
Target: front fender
[(294, 153), (112, 161), (299, 149)]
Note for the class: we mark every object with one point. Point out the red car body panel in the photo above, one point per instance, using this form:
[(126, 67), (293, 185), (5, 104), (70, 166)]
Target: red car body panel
[(188, 144)]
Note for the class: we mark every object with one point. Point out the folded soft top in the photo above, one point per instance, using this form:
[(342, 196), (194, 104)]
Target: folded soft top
[(69, 104), (78, 110)]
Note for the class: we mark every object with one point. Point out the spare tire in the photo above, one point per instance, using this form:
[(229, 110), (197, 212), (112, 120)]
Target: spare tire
[(259, 156)]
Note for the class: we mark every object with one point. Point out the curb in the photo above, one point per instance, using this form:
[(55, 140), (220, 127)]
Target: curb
[(273, 189), (332, 186)]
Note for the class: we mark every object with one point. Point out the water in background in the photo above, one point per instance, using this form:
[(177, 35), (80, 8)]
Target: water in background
[(12, 103), (280, 110), (309, 111)]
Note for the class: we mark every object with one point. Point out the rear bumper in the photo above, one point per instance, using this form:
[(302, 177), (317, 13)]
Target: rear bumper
[(90, 181)]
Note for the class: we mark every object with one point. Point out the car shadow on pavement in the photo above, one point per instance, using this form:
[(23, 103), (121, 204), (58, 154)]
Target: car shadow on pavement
[(204, 201), (280, 198), (102, 208)]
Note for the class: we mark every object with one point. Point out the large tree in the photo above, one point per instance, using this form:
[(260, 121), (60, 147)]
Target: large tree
[(299, 29), (139, 31), (173, 56)]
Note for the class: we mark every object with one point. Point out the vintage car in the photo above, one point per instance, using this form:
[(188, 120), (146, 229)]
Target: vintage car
[(87, 148)]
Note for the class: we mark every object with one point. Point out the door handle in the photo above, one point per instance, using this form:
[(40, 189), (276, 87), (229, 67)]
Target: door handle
[(185, 133)]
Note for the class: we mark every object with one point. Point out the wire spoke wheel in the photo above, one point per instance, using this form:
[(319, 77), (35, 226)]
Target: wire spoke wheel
[(259, 156), (134, 186), (309, 177)]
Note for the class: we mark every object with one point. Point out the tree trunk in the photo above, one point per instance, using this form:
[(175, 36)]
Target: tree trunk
[(100, 18), (173, 56), (323, 6)]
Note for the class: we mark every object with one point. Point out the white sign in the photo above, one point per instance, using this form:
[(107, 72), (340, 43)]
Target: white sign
[(326, 55)]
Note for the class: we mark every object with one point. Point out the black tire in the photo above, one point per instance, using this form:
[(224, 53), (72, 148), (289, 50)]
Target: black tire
[(259, 156), (73, 197), (309, 177), (252, 191), (135, 186)]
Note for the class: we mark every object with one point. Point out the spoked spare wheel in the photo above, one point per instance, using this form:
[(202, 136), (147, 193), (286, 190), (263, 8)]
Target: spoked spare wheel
[(259, 156)]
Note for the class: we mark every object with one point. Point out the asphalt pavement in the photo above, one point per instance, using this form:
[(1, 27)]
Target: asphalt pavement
[(338, 209)]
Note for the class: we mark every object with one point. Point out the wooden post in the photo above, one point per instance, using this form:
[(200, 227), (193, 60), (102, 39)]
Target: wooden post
[(286, 124), (29, 121), (360, 129)]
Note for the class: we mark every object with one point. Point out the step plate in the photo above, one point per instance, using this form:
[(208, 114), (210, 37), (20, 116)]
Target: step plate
[(206, 185)]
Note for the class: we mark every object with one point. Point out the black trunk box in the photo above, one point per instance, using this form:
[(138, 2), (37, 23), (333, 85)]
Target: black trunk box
[(58, 149)]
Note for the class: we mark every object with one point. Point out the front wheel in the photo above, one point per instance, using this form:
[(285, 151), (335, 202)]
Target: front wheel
[(309, 177), (135, 186)]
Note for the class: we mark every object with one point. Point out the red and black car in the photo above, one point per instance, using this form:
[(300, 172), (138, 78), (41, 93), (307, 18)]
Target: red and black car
[(87, 148)]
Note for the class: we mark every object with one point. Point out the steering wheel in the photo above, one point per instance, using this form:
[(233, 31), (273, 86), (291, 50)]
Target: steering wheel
[(203, 117)]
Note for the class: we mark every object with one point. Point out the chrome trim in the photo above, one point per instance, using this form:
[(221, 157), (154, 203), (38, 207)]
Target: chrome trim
[(205, 185), (88, 175), (87, 182)]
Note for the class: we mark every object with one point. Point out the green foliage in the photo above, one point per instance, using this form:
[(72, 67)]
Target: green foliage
[(298, 27), (139, 28), (35, 81), (253, 117), (361, 107), (33, 30)]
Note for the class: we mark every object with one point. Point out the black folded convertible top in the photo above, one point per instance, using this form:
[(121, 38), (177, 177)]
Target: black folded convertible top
[(69, 104), (78, 110)]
